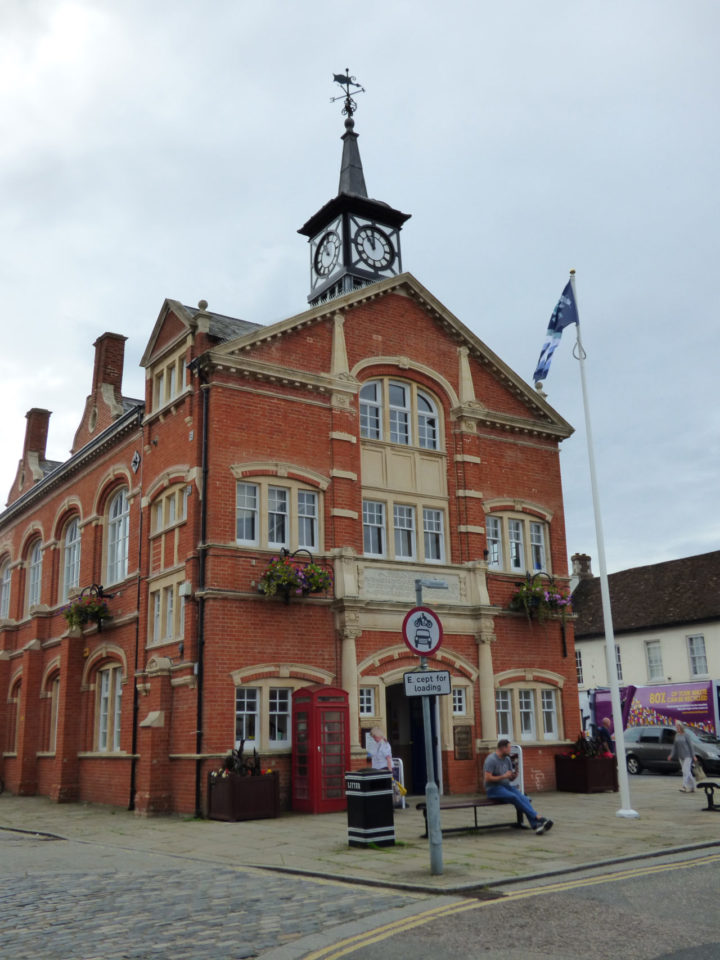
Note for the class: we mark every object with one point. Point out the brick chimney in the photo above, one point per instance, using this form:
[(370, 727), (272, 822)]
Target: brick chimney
[(36, 432), (104, 404), (109, 360), (581, 566)]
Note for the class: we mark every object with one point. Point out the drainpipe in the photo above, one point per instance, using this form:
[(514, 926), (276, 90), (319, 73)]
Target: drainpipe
[(136, 696), (204, 386)]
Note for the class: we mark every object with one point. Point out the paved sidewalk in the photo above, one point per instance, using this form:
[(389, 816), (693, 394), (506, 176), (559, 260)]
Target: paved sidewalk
[(587, 831)]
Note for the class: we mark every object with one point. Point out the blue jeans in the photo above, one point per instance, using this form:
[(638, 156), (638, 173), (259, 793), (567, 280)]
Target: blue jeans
[(498, 791)]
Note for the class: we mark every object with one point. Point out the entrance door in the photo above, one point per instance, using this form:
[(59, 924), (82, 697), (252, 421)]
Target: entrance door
[(406, 735), (420, 771)]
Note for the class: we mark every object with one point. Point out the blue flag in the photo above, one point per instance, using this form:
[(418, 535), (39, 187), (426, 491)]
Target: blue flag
[(563, 315)]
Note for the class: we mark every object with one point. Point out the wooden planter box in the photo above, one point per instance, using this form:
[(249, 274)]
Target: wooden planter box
[(586, 774), (234, 797)]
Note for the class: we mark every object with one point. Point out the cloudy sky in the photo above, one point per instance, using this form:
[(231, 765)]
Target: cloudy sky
[(171, 148)]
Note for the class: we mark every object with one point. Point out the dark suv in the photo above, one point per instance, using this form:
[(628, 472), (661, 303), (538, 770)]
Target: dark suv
[(649, 747)]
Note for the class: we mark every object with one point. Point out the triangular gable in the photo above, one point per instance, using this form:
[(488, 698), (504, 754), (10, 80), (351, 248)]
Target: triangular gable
[(538, 409), (173, 323)]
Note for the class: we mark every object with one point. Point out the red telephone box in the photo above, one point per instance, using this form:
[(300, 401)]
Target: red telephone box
[(321, 748)]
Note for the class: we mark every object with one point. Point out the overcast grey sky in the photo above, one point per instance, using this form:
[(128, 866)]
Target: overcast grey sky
[(171, 148)]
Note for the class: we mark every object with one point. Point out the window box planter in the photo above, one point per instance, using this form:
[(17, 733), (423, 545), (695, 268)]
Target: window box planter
[(235, 797), (585, 774)]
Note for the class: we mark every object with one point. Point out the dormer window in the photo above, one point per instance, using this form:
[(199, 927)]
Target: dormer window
[(168, 381), (400, 412)]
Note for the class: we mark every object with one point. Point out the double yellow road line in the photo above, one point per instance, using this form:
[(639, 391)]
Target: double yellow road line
[(345, 947)]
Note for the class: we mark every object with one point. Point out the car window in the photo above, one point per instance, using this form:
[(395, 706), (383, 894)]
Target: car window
[(651, 735), (668, 736)]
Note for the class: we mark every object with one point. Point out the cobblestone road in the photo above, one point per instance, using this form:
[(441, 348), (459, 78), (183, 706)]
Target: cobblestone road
[(65, 900)]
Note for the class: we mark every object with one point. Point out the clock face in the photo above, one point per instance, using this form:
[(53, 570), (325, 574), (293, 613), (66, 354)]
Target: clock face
[(374, 247), (327, 253)]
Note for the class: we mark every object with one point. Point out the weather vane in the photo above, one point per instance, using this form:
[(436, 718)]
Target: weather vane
[(347, 81)]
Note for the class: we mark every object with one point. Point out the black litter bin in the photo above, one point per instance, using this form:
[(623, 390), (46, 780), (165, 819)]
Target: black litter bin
[(370, 808)]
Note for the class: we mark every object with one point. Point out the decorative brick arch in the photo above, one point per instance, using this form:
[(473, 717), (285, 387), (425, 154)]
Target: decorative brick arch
[(391, 655), (281, 671), (404, 364), (102, 654)]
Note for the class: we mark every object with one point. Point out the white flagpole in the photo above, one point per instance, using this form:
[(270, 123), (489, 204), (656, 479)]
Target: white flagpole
[(626, 809)]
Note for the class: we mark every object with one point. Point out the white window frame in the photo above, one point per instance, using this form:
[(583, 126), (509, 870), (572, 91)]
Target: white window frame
[(166, 610), (279, 706), (537, 546), (118, 536), (247, 511), (71, 557), (504, 713), (548, 710), (517, 542), (408, 422), (109, 707), (697, 658), (427, 422), (371, 414), (579, 667), (433, 535), (459, 701), (526, 712), (307, 514), (400, 414), (366, 701), (493, 535), (653, 658), (374, 521), (5, 587), (250, 707), (404, 536), (35, 574), (275, 516), (169, 381)]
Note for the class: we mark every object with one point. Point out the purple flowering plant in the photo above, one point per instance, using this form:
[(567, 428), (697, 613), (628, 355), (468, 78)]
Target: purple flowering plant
[(540, 600), (292, 577)]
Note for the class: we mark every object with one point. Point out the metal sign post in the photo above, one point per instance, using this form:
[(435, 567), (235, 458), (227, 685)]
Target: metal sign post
[(422, 632)]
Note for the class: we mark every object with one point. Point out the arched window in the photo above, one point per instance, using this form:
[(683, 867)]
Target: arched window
[(5, 584), (117, 537), (108, 688), (400, 412), (71, 557), (35, 574)]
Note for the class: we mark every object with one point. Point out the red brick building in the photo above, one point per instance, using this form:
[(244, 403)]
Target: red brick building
[(373, 431)]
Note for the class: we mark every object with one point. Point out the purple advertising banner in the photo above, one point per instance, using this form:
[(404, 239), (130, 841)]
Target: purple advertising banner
[(691, 703)]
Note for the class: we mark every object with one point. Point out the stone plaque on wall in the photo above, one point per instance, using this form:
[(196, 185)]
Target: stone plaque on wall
[(462, 737), (384, 584)]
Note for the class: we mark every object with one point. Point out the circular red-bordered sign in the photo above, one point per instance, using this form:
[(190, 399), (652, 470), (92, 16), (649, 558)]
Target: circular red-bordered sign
[(422, 631)]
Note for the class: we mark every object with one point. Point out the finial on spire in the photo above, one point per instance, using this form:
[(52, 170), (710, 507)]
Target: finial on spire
[(347, 81)]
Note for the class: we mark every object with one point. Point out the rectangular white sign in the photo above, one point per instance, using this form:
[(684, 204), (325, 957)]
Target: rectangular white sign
[(427, 683)]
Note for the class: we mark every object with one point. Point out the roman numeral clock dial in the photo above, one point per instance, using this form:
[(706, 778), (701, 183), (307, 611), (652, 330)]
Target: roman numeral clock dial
[(374, 247)]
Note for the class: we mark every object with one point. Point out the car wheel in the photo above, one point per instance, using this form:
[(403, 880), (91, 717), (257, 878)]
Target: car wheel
[(633, 765)]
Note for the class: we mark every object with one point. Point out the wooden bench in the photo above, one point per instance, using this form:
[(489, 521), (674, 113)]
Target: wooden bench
[(473, 804), (710, 786)]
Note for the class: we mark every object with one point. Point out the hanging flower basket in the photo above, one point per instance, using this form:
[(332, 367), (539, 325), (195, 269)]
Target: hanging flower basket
[(86, 610), (288, 577), (540, 601)]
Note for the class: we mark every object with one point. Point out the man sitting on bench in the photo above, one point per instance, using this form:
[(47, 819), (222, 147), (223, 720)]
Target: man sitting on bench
[(498, 773)]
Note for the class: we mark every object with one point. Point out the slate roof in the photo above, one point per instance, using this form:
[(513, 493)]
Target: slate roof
[(224, 328), (658, 595)]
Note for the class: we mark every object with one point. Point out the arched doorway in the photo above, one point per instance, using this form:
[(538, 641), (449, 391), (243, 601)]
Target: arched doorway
[(407, 738)]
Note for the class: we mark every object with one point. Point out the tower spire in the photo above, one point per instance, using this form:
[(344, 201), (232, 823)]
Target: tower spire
[(352, 178)]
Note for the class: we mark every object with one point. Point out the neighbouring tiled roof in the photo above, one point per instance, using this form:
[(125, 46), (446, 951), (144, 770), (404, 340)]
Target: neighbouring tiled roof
[(661, 594)]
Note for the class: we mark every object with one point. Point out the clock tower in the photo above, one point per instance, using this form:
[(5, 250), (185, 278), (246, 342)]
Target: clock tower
[(353, 239)]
